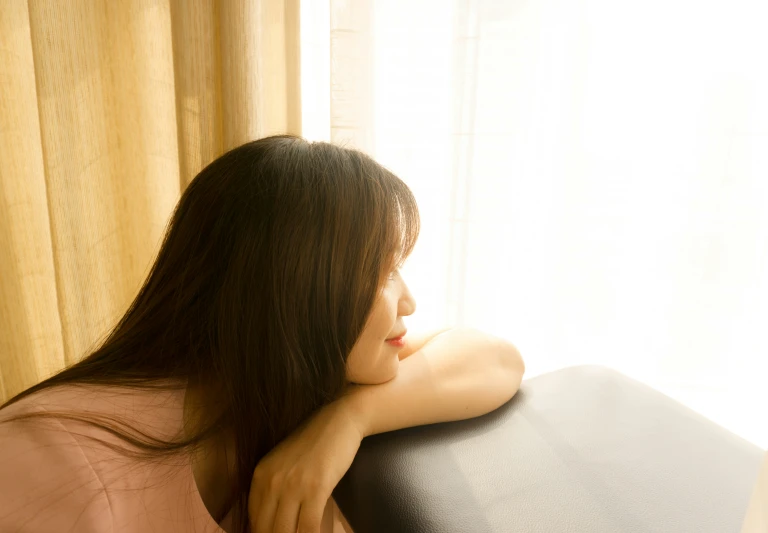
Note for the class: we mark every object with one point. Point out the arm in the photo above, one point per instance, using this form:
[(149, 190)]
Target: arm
[(413, 343), (458, 374)]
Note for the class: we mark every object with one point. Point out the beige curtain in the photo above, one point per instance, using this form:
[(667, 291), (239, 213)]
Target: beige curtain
[(107, 111), (594, 196), (352, 74)]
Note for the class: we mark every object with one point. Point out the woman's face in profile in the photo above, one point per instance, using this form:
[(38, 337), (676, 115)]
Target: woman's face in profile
[(373, 360)]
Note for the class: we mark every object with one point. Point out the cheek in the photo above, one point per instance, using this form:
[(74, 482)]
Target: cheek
[(372, 361), (384, 317)]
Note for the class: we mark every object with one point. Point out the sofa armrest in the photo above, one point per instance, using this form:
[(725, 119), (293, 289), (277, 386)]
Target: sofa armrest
[(583, 449)]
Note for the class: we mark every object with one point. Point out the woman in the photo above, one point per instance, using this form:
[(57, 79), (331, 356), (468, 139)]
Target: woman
[(265, 344)]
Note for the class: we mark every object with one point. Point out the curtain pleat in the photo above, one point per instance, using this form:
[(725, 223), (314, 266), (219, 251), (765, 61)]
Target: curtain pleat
[(352, 98), (107, 111)]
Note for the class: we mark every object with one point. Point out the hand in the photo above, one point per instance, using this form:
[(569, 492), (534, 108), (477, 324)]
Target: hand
[(293, 482)]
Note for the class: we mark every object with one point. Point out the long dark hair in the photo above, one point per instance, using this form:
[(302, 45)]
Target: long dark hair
[(266, 276)]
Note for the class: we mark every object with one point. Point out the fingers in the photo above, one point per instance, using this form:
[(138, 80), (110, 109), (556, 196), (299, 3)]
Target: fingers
[(281, 503), (287, 516), (304, 516), (311, 516), (265, 513)]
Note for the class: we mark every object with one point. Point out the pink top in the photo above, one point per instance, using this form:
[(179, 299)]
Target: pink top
[(54, 479)]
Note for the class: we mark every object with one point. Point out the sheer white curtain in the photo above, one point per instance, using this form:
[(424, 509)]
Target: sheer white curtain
[(592, 176)]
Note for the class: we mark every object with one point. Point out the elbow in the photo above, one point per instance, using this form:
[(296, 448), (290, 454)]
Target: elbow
[(513, 368), (501, 354), (503, 377), (510, 358)]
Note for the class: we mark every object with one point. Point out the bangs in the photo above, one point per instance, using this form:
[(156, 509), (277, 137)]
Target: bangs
[(403, 224), (386, 217)]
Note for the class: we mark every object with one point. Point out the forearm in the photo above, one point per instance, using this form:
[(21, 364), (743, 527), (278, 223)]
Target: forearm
[(459, 374), (414, 343)]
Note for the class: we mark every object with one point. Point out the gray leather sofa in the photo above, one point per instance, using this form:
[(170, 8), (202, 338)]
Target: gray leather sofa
[(583, 449)]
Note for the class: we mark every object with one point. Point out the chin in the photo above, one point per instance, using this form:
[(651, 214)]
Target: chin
[(387, 372), (394, 367)]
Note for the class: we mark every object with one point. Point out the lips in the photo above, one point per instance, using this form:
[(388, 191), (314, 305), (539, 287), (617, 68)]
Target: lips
[(399, 337)]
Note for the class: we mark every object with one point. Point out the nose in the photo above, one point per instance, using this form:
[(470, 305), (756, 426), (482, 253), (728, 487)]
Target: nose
[(407, 304)]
